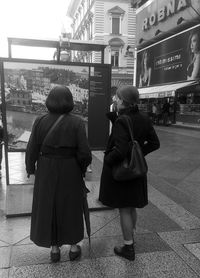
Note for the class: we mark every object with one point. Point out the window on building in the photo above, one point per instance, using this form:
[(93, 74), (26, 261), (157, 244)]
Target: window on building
[(115, 58), (116, 25)]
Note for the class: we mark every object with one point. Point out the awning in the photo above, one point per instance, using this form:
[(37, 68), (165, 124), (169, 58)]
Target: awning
[(163, 90), (190, 88)]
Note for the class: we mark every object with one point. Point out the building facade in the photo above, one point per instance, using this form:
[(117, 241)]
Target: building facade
[(107, 22)]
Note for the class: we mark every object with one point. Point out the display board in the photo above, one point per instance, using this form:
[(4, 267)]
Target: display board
[(25, 85), (172, 60)]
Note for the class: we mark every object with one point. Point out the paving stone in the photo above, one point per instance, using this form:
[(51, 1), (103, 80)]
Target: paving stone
[(187, 273), (2, 244), (93, 195), (85, 269), (181, 237), (176, 241), (162, 261), (148, 220), (33, 255), (144, 243), (97, 223), (111, 228), (194, 248), (120, 267), (4, 273), (174, 211), (108, 215), (25, 241), (13, 230), (4, 257)]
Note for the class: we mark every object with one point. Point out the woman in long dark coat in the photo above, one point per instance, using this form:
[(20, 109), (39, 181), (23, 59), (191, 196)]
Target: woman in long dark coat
[(59, 166), (126, 195)]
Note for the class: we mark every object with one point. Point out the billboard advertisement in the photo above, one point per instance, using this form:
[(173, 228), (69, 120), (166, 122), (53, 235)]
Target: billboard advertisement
[(172, 60), (158, 18)]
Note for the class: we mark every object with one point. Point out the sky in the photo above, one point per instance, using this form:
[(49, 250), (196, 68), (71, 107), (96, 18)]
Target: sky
[(39, 19)]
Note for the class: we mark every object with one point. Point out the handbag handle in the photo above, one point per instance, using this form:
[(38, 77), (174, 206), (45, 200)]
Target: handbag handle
[(129, 127), (51, 129)]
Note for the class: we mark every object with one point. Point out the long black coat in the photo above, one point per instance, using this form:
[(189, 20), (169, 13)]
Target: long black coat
[(130, 193), (57, 211)]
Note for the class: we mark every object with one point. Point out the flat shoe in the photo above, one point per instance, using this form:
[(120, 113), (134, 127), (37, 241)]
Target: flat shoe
[(75, 255), (126, 252), (55, 256)]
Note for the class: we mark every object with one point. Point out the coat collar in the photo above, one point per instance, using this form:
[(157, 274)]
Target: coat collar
[(129, 110)]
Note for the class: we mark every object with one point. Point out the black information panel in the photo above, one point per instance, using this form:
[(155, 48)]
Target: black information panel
[(99, 88)]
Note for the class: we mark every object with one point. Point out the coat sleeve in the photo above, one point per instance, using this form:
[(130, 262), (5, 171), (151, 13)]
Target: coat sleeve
[(121, 138), (152, 142), (84, 155), (112, 116), (32, 150)]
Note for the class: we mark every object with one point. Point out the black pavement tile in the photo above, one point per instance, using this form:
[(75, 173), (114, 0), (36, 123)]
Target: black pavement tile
[(152, 219), (144, 243)]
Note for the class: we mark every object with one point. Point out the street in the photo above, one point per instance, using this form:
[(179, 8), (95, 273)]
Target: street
[(167, 234)]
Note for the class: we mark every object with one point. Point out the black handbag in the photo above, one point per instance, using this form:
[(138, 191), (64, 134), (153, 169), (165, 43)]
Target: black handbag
[(136, 166)]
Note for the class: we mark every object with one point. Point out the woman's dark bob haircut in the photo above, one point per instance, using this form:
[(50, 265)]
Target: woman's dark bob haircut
[(60, 100)]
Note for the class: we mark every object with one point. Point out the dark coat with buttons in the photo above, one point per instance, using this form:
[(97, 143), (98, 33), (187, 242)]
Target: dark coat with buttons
[(127, 193), (57, 211)]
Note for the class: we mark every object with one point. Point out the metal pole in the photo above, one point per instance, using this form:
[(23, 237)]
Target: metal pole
[(102, 56), (4, 122), (135, 67), (9, 49)]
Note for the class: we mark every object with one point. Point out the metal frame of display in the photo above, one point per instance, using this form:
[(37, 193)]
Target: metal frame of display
[(59, 45), (73, 45), (44, 62)]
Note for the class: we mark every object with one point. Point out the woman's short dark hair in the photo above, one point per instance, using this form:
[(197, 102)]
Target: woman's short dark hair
[(129, 94), (60, 100), (193, 33)]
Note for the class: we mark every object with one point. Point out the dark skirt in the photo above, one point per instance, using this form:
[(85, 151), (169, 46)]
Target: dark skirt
[(122, 194), (57, 212)]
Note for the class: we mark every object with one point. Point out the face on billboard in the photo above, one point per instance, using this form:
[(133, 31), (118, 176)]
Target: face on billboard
[(173, 60)]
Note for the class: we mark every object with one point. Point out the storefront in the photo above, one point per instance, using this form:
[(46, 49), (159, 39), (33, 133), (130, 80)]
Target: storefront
[(188, 104)]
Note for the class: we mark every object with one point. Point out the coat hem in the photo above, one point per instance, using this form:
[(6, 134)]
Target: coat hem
[(59, 244)]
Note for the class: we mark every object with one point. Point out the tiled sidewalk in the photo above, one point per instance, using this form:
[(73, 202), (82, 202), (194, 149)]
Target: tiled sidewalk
[(168, 229)]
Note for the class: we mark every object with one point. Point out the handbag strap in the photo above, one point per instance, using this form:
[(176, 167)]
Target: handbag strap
[(128, 120), (52, 129)]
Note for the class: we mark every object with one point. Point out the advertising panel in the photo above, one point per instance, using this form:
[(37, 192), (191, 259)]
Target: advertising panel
[(173, 60), (25, 89), (159, 17)]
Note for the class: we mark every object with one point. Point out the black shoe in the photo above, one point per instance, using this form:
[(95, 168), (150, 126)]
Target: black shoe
[(55, 256), (75, 255), (126, 251)]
